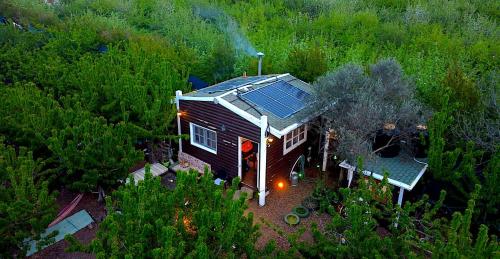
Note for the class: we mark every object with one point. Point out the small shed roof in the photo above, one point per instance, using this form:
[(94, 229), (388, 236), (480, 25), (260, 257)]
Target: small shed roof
[(156, 170), (403, 171), (67, 226)]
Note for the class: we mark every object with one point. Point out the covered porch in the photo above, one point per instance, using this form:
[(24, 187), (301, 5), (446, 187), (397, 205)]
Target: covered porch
[(403, 171)]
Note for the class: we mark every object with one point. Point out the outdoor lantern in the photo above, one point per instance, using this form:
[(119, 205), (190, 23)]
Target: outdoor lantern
[(269, 140), (281, 185)]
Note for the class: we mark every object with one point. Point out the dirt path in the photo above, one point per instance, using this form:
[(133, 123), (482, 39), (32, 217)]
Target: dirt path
[(278, 204)]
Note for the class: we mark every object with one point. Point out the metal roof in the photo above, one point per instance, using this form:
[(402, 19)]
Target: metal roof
[(233, 96), (67, 226)]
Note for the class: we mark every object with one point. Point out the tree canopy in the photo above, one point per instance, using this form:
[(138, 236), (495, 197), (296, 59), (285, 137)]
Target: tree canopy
[(197, 219)]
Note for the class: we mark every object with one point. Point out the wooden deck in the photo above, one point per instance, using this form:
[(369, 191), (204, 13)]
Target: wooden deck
[(157, 169)]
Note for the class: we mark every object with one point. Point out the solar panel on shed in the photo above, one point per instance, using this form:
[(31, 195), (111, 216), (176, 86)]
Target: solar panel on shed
[(280, 98), (233, 83)]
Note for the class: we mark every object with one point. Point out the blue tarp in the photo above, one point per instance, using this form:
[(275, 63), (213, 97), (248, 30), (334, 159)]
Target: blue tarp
[(197, 83), (67, 226)]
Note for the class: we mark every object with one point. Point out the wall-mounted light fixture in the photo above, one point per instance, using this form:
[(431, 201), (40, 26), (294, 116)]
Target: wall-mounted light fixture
[(223, 127), (269, 140)]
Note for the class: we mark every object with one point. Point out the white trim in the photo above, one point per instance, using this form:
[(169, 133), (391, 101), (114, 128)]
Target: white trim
[(262, 161), (247, 116), (253, 83), (400, 196), (325, 150), (293, 146), (196, 98), (240, 159), (345, 165), (178, 94), (418, 176), (191, 137)]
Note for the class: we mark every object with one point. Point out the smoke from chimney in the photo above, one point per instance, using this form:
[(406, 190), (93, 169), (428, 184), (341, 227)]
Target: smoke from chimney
[(260, 55)]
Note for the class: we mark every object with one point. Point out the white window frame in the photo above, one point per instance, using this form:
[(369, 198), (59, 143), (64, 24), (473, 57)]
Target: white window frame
[(192, 138), (295, 133)]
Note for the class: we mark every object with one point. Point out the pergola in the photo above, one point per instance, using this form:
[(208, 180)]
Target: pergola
[(403, 171)]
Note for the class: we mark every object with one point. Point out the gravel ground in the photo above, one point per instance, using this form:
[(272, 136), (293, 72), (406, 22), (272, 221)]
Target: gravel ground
[(85, 235), (278, 204)]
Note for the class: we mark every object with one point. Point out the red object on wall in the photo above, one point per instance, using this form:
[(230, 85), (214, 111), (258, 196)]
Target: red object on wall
[(246, 146)]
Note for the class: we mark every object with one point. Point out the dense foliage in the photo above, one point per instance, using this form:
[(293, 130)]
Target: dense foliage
[(414, 230), (26, 207), (197, 219)]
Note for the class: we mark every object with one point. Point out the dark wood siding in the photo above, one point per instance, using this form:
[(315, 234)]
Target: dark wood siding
[(213, 116), (279, 165)]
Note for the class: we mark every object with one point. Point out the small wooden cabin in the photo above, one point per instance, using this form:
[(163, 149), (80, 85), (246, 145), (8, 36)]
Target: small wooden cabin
[(253, 127)]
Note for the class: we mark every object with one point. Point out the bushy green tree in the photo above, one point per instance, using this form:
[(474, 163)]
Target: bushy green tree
[(197, 219), (91, 152), (414, 230), (459, 242), (307, 63), (219, 64), (26, 205)]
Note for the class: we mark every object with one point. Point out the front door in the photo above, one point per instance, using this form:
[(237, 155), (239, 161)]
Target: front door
[(248, 162)]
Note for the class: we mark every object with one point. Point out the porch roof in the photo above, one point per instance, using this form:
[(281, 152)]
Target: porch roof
[(403, 171)]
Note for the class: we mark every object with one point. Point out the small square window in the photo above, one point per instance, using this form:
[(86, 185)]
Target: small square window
[(295, 138)]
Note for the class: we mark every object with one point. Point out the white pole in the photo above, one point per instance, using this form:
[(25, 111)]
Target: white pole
[(350, 174), (178, 94), (262, 160), (400, 203), (400, 197), (240, 159), (325, 151)]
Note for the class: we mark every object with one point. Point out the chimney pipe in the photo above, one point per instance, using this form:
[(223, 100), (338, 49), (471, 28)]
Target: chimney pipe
[(260, 55)]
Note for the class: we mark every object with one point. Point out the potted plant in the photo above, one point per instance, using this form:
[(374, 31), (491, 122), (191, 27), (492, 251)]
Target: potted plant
[(301, 211), (292, 219)]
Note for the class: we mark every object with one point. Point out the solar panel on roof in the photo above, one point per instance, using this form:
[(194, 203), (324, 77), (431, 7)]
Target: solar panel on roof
[(233, 83), (280, 98)]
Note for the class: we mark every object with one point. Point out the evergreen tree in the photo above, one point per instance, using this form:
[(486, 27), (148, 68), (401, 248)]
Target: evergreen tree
[(195, 220), (458, 241), (91, 152), (26, 206)]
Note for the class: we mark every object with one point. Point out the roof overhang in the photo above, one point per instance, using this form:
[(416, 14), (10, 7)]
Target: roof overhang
[(247, 116), (377, 176)]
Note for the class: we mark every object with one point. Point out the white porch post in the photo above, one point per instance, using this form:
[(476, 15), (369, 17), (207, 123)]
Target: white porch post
[(178, 94), (350, 174), (262, 160), (400, 197), (325, 151), (400, 203)]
